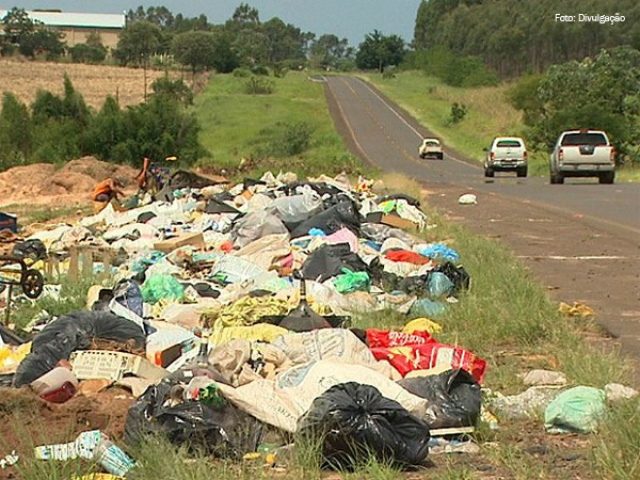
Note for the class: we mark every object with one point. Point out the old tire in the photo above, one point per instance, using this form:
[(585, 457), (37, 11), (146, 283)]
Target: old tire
[(607, 177), (32, 284)]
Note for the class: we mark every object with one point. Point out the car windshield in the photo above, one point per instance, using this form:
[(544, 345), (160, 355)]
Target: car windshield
[(431, 143), (594, 139), (508, 144)]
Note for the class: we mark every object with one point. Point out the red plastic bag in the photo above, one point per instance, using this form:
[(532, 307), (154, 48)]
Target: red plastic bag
[(406, 256), (430, 355), (389, 339)]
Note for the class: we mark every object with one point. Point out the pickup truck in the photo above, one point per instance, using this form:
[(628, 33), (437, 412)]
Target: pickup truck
[(582, 153), (506, 154)]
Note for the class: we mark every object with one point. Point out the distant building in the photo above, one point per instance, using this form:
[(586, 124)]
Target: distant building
[(76, 26)]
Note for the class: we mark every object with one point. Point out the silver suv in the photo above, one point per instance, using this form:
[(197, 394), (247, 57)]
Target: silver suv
[(506, 154)]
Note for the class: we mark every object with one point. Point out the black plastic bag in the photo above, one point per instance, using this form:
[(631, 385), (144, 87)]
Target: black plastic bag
[(31, 249), (355, 421), (329, 260), (454, 398), (183, 179), (224, 431), (72, 332), (457, 274), (344, 214)]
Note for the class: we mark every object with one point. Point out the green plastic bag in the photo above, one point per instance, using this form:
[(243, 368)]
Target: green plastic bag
[(162, 287), (352, 281), (578, 410)]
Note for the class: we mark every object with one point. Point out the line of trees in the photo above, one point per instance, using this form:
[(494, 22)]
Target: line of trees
[(516, 38), (58, 128), (242, 41)]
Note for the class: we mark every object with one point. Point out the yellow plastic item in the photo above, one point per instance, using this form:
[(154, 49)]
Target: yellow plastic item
[(576, 310), (10, 357), (422, 325), (262, 332)]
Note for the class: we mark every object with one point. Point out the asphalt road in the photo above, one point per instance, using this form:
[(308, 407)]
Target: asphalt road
[(388, 138), (581, 239)]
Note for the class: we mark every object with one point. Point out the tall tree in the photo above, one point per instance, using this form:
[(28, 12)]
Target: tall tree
[(379, 51), (328, 51), (196, 49), (138, 42)]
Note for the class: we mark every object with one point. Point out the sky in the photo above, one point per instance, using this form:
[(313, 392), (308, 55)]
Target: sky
[(351, 19)]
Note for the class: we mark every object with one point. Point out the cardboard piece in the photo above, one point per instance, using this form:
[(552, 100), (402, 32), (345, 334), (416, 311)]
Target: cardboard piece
[(391, 220), (90, 364), (169, 245)]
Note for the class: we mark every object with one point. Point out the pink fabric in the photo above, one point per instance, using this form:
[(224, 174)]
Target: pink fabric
[(344, 235)]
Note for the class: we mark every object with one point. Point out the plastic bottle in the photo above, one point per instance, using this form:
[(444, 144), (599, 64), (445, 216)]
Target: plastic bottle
[(112, 458), (56, 386)]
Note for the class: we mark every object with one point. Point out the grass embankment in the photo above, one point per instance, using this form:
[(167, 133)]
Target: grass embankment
[(506, 318), (489, 114), (264, 129)]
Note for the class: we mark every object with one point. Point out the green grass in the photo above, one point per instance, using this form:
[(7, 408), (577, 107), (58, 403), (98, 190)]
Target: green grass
[(489, 115), (237, 125)]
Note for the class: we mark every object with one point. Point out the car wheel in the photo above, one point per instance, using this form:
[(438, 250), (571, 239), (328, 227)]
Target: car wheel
[(441, 156), (556, 178), (521, 172), (423, 156), (607, 177), (489, 173)]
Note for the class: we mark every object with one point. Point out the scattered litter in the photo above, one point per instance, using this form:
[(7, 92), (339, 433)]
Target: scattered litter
[(578, 410), (468, 199), (527, 404), (9, 460), (226, 311), (576, 310), (543, 377), (616, 392)]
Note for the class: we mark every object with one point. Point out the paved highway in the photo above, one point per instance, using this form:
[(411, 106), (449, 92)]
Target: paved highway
[(581, 239), (387, 137)]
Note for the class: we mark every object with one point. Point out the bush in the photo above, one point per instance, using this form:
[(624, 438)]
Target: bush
[(260, 70), (241, 72), (292, 139), (259, 86), (453, 69), (83, 53), (458, 112), (63, 128)]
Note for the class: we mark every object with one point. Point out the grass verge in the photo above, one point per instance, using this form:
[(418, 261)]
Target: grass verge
[(289, 129)]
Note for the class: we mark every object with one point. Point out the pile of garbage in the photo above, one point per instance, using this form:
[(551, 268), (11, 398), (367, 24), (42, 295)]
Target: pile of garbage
[(237, 314)]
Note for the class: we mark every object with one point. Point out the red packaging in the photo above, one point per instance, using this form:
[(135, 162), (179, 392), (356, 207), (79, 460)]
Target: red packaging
[(389, 339), (430, 355)]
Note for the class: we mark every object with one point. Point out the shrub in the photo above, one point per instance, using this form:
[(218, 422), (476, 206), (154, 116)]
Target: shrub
[(83, 53), (259, 86), (241, 72), (458, 112), (292, 139), (260, 70)]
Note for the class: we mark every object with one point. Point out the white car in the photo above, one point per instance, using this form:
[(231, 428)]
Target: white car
[(506, 154), (431, 148)]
